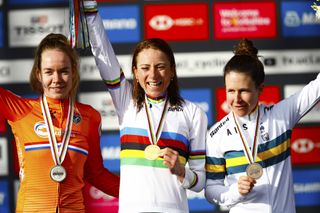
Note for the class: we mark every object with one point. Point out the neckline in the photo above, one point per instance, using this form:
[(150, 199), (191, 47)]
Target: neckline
[(156, 100)]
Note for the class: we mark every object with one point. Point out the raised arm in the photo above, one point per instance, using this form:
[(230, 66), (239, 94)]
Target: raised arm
[(101, 47), (106, 61)]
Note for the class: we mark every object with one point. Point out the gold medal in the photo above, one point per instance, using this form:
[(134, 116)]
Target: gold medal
[(151, 152), (58, 173), (254, 170)]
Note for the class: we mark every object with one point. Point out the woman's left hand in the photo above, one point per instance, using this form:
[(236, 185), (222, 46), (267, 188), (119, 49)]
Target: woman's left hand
[(171, 160)]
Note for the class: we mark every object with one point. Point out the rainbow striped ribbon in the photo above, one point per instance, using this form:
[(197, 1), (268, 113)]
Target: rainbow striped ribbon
[(79, 35)]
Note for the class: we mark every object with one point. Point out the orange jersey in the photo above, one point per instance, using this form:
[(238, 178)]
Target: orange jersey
[(83, 161)]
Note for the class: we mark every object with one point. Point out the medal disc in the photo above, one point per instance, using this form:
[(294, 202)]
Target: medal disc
[(58, 173), (254, 170), (151, 152)]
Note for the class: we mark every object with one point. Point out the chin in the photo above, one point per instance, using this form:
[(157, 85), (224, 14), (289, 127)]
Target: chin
[(240, 113), (154, 94), (58, 96)]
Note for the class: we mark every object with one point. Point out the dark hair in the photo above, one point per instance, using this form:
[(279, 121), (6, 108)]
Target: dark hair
[(59, 42), (173, 92), (246, 60)]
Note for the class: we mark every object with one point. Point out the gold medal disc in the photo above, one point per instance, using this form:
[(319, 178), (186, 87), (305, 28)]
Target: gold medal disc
[(151, 152), (254, 170)]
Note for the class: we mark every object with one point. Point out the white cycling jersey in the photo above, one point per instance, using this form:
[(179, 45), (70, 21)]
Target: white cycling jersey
[(226, 160), (146, 185)]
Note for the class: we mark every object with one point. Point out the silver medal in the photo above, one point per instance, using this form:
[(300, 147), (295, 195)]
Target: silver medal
[(58, 173)]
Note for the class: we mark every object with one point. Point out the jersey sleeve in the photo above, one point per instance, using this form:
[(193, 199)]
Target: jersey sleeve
[(216, 190), (195, 171), (95, 172), (107, 63), (13, 107), (298, 104)]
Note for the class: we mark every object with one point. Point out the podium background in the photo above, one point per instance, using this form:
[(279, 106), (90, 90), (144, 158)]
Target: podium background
[(202, 34)]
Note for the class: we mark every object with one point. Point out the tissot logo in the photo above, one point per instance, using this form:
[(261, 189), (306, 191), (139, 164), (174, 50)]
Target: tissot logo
[(32, 30), (27, 27), (39, 19)]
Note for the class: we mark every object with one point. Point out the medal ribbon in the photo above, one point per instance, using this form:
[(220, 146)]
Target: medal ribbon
[(79, 35), (155, 137), (58, 155), (251, 156)]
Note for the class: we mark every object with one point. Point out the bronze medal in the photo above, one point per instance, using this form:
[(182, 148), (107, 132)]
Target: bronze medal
[(254, 170), (151, 152), (58, 173)]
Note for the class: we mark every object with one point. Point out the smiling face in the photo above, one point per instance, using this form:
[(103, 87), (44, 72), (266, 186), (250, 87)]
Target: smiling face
[(55, 74), (153, 71), (242, 93)]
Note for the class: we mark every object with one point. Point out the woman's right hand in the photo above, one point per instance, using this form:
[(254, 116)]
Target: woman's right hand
[(245, 185)]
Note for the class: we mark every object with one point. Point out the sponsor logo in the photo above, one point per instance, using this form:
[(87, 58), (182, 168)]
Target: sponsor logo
[(110, 153), (299, 20), (121, 23), (27, 27), (307, 187), (7, 75), (221, 124), (13, 2), (237, 20), (164, 22), (102, 101), (175, 109), (89, 70), (305, 145), (177, 21)]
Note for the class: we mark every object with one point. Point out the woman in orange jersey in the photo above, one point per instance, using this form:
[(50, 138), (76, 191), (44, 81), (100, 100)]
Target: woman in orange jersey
[(57, 138)]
